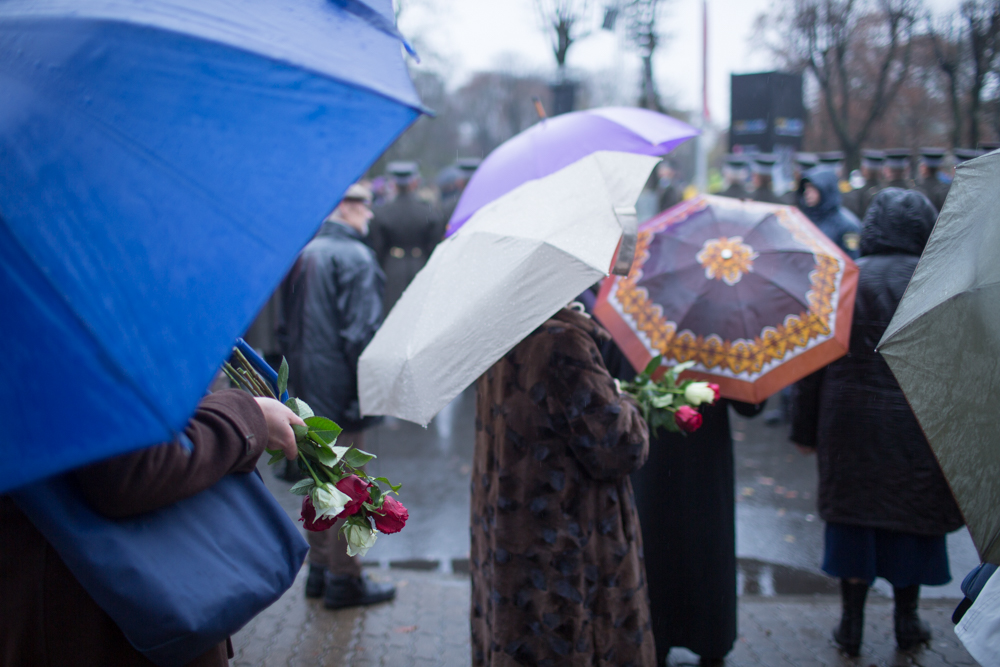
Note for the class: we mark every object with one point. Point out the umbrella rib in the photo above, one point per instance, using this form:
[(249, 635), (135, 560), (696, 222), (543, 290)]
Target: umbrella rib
[(108, 358)]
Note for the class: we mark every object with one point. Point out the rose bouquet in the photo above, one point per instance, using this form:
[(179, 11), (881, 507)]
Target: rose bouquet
[(668, 402), (337, 486)]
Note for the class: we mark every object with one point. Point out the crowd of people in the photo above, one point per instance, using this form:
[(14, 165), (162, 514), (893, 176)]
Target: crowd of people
[(593, 542)]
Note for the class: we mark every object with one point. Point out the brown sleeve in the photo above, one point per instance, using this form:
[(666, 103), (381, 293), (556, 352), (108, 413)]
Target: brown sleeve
[(229, 434), (606, 432)]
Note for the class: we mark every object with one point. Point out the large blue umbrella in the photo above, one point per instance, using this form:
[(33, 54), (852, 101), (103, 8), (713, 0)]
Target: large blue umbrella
[(161, 164)]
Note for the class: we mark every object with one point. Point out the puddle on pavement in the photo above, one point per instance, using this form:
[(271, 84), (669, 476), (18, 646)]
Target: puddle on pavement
[(755, 577)]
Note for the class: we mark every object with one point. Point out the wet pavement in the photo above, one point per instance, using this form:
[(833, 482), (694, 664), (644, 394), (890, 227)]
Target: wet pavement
[(787, 606), (779, 537)]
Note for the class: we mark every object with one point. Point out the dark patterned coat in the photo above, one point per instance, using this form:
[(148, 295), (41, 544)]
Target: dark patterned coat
[(556, 553)]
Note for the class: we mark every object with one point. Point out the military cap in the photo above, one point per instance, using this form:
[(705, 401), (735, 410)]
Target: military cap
[(830, 157), (358, 192), (468, 164), (806, 160), (932, 157), (403, 171), (897, 158), (736, 161), (872, 158), (963, 154), (763, 163)]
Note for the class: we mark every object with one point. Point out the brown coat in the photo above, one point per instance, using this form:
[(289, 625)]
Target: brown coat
[(556, 553), (46, 617)]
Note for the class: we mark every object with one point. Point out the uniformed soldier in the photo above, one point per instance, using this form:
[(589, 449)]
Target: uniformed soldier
[(735, 172), (930, 182), (897, 168), (803, 162), (763, 171), (461, 171), (835, 160), (857, 201), (404, 231), (966, 154)]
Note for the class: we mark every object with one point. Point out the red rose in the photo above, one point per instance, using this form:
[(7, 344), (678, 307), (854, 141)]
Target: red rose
[(357, 489), (715, 388), (308, 517), (688, 418), (392, 517)]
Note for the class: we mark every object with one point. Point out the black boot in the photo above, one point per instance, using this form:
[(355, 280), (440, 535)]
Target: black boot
[(315, 584), (852, 621), (910, 630), (346, 591)]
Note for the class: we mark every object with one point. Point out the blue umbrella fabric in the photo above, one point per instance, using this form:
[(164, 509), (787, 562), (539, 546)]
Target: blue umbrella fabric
[(161, 164)]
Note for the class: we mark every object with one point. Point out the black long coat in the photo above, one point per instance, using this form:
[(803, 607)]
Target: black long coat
[(876, 468), (687, 510), (331, 307)]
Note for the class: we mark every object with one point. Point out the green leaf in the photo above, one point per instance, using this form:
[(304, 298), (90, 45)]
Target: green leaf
[(302, 487), (282, 377), (328, 437), (652, 365), (357, 458), (300, 432), (395, 487), (662, 401), (326, 457), (276, 455), (377, 497), (299, 407), (330, 456), (321, 424), (680, 368)]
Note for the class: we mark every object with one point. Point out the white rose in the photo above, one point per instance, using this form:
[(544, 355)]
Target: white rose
[(697, 393), (359, 539), (329, 500)]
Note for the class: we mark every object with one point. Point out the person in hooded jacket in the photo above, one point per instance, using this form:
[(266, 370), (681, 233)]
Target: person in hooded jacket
[(882, 494), (820, 199)]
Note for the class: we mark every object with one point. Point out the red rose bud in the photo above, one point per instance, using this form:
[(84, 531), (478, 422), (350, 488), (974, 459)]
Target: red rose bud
[(308, 517), (392, 517), (687, 418), (715, 388), (357, 489)]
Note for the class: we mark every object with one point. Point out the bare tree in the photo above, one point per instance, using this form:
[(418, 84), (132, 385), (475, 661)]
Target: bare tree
[(562, 19), (858, 52), (948, 40), (982, 22)]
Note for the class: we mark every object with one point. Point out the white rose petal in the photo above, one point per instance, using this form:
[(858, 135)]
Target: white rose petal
[(697, 393), (359, 539), (329, 500)]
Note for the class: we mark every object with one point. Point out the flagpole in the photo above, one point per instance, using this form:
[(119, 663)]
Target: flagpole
[(701, 157)]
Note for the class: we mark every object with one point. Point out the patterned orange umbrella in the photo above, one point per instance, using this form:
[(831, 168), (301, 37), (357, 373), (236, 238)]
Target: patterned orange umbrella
[(753, 293)]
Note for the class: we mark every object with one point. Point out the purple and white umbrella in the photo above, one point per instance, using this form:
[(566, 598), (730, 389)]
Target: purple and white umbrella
[(557, 142)]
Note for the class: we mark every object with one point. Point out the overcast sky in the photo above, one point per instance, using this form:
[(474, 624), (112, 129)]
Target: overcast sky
[(473, 35)]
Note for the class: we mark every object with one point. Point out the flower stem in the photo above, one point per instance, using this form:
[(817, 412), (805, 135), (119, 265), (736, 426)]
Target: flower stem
[(312, 472)]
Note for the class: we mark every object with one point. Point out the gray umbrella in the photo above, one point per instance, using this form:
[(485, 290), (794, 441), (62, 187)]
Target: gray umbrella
[(943, 346)]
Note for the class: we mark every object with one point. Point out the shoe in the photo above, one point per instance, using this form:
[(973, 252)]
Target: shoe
[(315, 584), (347, 591), (910, 630), (852, 620)]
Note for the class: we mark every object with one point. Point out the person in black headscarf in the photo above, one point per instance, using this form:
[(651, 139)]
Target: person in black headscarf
[(884, 498)]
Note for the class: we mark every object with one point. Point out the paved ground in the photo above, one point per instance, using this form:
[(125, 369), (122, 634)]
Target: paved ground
[(427, 625), (787, 606)]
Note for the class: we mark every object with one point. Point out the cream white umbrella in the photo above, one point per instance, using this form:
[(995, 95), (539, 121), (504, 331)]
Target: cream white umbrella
[(514, 264)]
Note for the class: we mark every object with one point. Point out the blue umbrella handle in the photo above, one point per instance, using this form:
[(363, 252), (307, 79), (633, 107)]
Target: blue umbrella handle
[(262, 366)]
